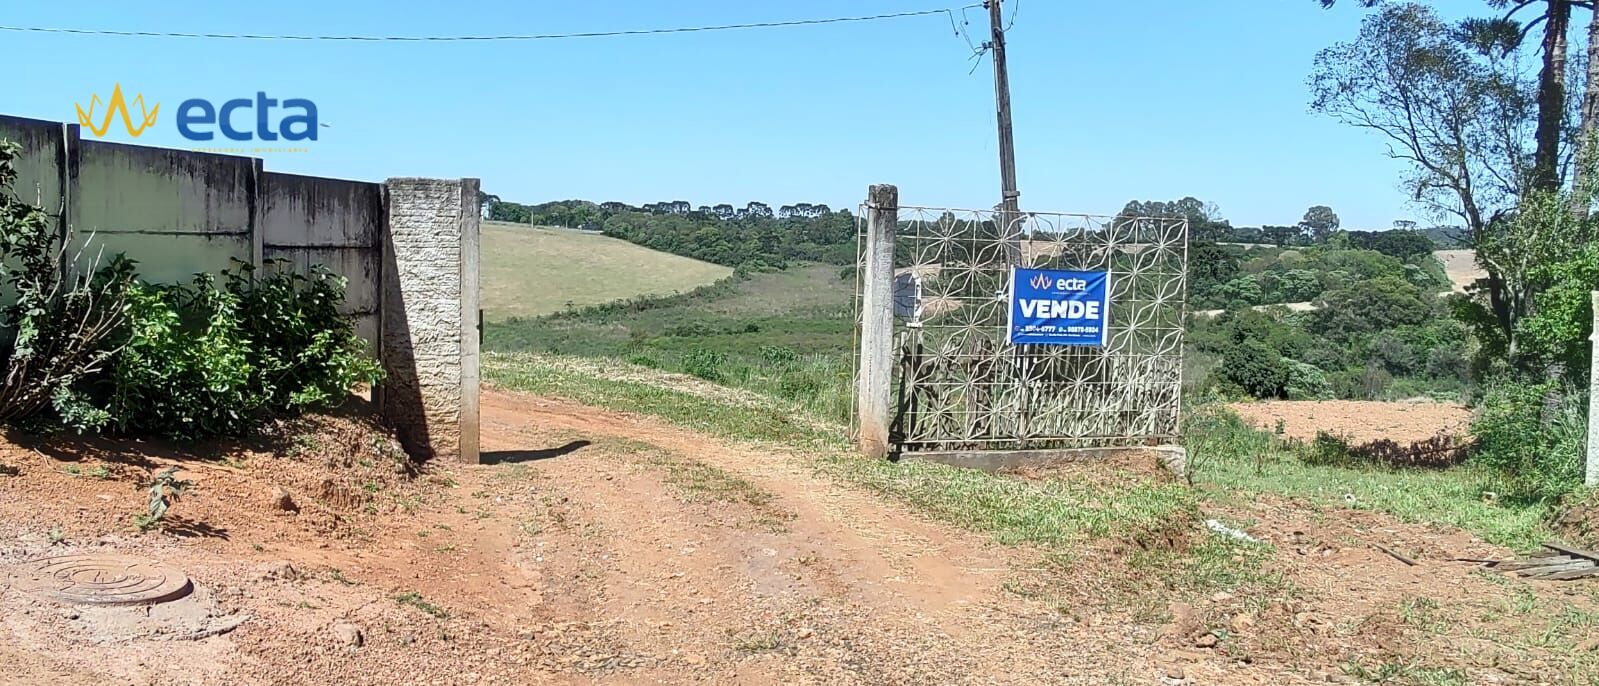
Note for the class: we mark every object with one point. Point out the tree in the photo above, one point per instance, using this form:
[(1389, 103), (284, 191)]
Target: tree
[(1459, 117), (1370, 306), (1319, 222), (1506, 34)]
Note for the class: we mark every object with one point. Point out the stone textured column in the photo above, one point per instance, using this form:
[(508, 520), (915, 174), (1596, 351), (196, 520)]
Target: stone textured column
[(429, 318)]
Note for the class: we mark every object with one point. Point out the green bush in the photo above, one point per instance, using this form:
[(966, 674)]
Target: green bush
[(59, 314), (778, 355), (203, 360), (1257, 369), (1306, 382), (710, 365), (1537, 449)]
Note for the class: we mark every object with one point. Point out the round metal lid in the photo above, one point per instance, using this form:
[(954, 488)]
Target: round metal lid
[(100, 580)]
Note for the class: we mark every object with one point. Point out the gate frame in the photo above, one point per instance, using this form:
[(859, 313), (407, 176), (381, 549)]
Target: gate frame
[(875, 358)]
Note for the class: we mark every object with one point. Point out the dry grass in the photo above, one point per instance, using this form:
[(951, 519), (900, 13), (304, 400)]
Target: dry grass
[(532, 271)]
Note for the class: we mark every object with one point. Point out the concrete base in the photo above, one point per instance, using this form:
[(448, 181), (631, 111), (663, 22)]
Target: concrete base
[(1174, 458)]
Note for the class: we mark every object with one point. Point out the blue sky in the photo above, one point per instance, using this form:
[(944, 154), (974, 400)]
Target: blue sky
[(1113, 100)]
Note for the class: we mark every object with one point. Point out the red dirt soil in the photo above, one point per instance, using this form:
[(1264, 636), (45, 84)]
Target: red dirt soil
[(600, 547), (1360, 421)]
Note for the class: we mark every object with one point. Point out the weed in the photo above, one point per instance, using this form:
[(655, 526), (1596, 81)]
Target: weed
[(1392, 672), (705, 364), (100, 472), (73, 470), (1423, 613), (337, 574), (57, 536), (416, 600), (1230, 459), (303, 444), (164, 490), (759, 641)]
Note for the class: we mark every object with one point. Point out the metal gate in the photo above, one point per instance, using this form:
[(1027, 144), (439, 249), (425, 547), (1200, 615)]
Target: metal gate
[(958, 385)]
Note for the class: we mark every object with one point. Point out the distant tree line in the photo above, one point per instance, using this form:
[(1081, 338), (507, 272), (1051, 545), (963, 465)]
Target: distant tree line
[(752, 237)]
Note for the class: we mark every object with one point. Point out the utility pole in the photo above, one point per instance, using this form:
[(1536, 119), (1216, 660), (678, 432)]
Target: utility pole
[(1008, 206)]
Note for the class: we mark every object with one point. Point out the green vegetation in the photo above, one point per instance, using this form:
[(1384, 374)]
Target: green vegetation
[(1232, 460), (164, 490), (415, 599), (530, 271), (786, 334), (91, 349), (60, 318), (209, 360)]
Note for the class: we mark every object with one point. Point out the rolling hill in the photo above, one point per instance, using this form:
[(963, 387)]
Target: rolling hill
[(531, 271)]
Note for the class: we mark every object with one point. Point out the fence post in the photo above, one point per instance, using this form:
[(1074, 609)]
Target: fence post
[(1592, 476), (877, 320)]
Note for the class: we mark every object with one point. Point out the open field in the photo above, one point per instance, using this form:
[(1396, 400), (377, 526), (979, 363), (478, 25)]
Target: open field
[(533, 271), (1461, 266), (805, 308), (1359, 421)]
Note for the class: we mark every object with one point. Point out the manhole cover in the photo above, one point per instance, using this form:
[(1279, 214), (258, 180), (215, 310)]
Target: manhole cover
[(100, 580)]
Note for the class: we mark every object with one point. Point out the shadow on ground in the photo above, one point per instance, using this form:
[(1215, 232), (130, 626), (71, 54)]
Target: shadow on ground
[(516, 456)]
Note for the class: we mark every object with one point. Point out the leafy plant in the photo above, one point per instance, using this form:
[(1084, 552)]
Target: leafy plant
[(205, 360), (1537, 459), (64, 312), (705, 364), (164, 490)]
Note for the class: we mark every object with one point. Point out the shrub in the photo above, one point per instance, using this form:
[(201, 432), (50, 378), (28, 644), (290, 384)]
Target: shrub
[(778, 355), (1305, 382), (1538, 459), (705, 364), (61, 316), (205, 361), (1257, 369)]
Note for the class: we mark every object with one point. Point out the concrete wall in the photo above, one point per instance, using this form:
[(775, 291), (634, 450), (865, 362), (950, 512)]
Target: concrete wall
[(412, 273), (308, 221)]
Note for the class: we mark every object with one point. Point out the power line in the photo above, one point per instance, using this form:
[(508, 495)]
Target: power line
[(513, 37)]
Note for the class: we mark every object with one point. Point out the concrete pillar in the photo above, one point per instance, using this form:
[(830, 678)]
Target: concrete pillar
[(1592, 477), (873, 395), (429, 315)]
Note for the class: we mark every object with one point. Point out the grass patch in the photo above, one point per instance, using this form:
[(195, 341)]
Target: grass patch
[(786, 334), (1232, 460), (768, 421), (703, 482), (415, 599), (1407, 674), (1052, 512)]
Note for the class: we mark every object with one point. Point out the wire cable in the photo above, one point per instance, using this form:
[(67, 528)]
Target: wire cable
[(514, 37)]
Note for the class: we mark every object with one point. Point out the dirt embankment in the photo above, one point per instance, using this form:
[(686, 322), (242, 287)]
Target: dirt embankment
[(598, 547)]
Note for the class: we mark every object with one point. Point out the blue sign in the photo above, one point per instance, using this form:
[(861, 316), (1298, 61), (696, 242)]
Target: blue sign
[(1051, 307)]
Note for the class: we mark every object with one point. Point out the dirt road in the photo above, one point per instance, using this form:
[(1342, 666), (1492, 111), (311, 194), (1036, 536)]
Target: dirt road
[(599, 547)]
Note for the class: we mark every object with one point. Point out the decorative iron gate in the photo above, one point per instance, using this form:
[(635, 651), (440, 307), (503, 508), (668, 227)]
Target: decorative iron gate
[(958, 385)]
